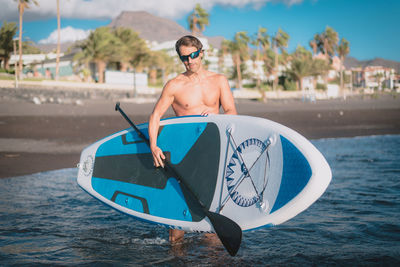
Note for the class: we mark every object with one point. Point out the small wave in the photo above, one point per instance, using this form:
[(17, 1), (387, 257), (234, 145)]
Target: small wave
[(150, 241)]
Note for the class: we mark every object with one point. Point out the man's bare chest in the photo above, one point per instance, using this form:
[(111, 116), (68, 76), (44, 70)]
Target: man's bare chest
[(199, 94)]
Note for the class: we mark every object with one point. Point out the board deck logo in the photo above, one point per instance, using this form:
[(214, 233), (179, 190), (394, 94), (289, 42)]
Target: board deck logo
[(246, 162), (87, 166)]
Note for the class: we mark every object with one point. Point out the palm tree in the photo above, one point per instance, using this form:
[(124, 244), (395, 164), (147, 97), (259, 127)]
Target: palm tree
[(378, 78), (133, 47), (303, 65), (300, 66), (100, 47), (343, 50), (261, 41), (221, 55), (269, 59), (328, 42), (198, 19), (239, 49), (317, 44), (159, 60), (314, 44), (134, 51), (58, 40), (280, 42), (7, 32), (22, 4)]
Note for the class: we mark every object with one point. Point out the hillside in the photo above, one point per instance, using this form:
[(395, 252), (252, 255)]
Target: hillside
[(47, 48), (155, 28), (148, 26)]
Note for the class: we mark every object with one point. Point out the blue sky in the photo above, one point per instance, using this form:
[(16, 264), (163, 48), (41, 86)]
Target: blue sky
[(371, 26)]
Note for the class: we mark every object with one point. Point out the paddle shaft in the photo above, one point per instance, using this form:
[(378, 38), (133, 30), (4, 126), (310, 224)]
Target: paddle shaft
[(167, 163), (228, 231)]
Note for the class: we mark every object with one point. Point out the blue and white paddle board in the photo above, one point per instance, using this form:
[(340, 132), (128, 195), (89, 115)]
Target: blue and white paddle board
[(252, 170)]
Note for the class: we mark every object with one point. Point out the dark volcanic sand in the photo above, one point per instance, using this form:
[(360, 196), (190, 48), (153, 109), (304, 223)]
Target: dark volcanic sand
[(35, 138)]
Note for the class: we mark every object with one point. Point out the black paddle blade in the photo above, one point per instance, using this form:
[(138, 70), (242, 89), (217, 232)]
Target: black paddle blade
[(227, 230)]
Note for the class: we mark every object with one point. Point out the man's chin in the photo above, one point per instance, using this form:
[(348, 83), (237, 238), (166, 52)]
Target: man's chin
[(193, 69)]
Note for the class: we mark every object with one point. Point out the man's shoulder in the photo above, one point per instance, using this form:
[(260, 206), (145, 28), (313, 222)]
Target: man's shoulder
[(178, 79), (216, 76), (175, 83)]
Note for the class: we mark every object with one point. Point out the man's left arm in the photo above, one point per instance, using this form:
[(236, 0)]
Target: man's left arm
[(227, 100)]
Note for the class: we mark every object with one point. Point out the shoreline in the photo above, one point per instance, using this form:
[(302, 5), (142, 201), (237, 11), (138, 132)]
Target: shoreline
[(50, 136)]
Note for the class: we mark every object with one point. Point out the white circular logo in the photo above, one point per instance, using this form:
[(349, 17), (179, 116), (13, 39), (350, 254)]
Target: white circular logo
[(244, 172)]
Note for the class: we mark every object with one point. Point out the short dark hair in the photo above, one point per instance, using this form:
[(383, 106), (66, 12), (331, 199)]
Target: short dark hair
[(188, 40)]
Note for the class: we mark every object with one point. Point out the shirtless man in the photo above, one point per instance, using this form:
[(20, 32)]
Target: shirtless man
[(194, 92)]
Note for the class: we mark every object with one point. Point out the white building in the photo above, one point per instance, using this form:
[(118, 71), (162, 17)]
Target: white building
[(374, 77)]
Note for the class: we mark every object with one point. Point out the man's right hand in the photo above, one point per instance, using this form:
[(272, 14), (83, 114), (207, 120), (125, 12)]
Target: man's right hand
[(158, 157)]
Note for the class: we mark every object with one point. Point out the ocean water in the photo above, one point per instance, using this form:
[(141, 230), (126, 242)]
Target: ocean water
[(46, 219)]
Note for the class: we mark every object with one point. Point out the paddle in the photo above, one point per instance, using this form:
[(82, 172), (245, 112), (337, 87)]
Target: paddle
[(227, 230)]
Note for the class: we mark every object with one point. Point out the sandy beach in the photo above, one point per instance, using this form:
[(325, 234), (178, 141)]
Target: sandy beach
[(49, 136)]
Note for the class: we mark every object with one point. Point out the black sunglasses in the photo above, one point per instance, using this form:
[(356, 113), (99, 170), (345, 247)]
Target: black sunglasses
[(192, 56)]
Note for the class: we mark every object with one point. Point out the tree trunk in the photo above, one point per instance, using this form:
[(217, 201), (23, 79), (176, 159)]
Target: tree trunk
[(124, 66), (341, 77), (301, 84), (258, 85), (239, 73), (15, 65), (163, 76), (58, 41), (153, 76), (101, 66), (275, 83), (21, 12), (194, 30), (6, 63), (341, 80)]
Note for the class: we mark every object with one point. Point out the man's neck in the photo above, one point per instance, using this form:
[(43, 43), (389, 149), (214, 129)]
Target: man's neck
[(195, 75)]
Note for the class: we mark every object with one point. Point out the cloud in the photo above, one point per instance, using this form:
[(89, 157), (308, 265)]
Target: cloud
[(67, 34), (106, 9)]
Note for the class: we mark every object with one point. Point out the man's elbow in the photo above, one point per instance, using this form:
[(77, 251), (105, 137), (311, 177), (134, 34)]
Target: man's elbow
[(154, 117), (231, 111)]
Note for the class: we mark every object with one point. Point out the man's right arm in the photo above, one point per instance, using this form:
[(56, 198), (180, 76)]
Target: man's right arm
[(164, 102), (227, 100)]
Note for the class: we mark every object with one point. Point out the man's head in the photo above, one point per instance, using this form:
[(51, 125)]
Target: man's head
[(190, 51), (188, 40)]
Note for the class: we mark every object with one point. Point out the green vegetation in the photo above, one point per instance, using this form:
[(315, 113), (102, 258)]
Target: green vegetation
[(289, 85), (198, 19), (321, 86), (304, 65), (7, 32), (279, 42), (343, 50), (122, 49), (261, 41), (239, 49)]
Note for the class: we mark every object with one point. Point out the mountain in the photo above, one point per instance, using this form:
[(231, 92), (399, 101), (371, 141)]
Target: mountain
[(148, 26), (47, 48), (351, 62), (153, 28)]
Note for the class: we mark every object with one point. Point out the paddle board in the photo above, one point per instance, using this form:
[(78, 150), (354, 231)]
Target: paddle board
[(254, 171)]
